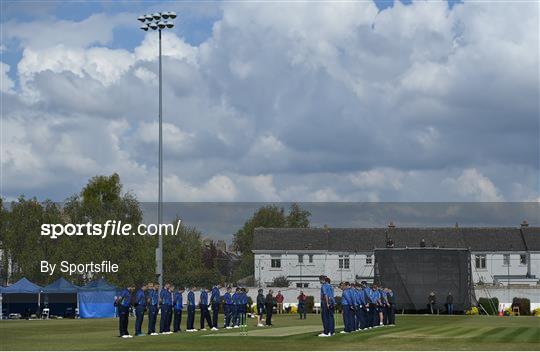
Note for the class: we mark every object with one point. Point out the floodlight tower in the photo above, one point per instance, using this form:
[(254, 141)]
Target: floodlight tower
[(159, 21)]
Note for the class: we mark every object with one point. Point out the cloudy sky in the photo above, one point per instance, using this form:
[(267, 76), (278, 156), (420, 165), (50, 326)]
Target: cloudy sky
[(348, 101)]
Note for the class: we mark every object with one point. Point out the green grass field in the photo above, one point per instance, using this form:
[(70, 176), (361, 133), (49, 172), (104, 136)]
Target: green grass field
[(413, 332)]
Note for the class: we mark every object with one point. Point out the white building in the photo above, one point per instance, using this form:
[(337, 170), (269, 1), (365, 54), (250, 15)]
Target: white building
[(499, 256)]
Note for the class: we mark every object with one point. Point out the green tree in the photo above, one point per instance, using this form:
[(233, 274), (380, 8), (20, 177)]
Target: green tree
[(269, 216), (182, 256), (298, 218), (22, 241), (99, 201)]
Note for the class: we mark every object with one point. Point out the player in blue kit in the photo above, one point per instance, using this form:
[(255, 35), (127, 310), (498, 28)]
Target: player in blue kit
[(153, 301), (228, 308), (140, 308), (215, 300), (123, 302), (191, 310), (165, 298), (178, 305)]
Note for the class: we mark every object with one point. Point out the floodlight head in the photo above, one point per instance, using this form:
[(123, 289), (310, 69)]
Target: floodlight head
[(169, 24), (144, 27), (165, 15), (142, 18), (172, 15), (148, 17), (153, 25), (156, 16), (162, 24)]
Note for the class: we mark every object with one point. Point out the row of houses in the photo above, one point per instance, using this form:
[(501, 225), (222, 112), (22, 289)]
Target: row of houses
[(499, 255)]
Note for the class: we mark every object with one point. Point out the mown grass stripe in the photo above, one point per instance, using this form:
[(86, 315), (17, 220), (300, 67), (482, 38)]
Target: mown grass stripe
[(492, 334), (453, 332), (474, 333), (520, 333)]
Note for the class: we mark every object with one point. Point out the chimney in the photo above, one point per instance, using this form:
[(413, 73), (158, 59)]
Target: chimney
[(391, 225), (524, 223)]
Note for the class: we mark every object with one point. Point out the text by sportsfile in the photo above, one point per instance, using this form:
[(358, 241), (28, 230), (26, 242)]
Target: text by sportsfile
[(110, 227)]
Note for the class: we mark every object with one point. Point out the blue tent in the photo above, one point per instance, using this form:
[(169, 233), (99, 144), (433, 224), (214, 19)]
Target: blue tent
[(60, 296), (96, 300), (21, 297)]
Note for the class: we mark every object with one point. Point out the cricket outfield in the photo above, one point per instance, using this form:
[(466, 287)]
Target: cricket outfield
[(413, 332)]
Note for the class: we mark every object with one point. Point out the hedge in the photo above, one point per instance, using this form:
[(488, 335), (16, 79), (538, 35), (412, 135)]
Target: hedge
[(524, 305), (491, 305)]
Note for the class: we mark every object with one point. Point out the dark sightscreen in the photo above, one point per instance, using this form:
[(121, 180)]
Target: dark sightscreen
[(414, 273)]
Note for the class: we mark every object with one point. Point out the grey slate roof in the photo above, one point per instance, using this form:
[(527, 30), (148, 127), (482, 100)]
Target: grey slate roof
[(366, 239)]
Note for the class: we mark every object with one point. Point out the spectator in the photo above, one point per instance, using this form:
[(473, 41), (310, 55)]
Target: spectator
[(269, 303), (450, 303), (260, 307), (432, 303), (279, 300), (302, 305)]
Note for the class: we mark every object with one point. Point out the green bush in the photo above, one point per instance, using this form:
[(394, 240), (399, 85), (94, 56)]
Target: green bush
[(280, 281), (491, 305), (310, 303), (524, 305)]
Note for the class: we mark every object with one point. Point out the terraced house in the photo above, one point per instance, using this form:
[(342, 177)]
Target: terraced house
[(499, 255)]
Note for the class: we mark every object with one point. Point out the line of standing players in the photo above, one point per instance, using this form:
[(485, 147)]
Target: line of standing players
[(363, 307), (170, 302)]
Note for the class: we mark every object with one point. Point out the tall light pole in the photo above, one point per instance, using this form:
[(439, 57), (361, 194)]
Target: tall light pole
[(159, 22)]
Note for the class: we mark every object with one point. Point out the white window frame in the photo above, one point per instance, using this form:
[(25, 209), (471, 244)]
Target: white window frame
[(275, 259), (344, 262), (369, 259), (480, 259)]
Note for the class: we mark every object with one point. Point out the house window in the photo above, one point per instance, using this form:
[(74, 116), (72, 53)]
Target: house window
[(369, 259), (506, 259), (480, 261), (310, 258), (523, 259), (275, 262), (300, 258), (344, 262), (302, 285)]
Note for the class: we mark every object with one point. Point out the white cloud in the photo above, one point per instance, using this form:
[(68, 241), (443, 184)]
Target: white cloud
[(285, 101), (472, 184), (6, 83)]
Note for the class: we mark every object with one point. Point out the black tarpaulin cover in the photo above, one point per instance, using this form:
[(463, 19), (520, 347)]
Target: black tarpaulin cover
[(413, 273)]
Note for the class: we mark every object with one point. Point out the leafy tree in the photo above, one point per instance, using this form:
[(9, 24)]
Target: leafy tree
[(99, 201), (182, 256), (298, 218), (22, 240), (269, 216)]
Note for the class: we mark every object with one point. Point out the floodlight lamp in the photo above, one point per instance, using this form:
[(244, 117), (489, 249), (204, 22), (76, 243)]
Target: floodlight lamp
[(169, 24), (153, 25), (172, 15), (144, 27), (142, 18), (156, 16)]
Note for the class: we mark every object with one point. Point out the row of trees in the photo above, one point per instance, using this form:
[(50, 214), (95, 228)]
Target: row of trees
[(187, 260)]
